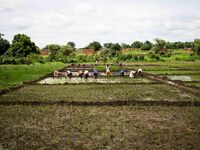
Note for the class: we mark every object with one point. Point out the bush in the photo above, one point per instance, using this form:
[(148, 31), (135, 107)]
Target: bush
[(184, 57), (154, 56), (33, 58)]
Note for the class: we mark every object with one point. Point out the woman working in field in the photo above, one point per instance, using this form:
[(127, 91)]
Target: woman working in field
[(86, 74), (107, 71), (80, 74), (95, 73), (56, 73), (68, 73)]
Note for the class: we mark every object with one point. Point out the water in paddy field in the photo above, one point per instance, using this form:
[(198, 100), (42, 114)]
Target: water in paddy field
[(63, 80), (180, 77)]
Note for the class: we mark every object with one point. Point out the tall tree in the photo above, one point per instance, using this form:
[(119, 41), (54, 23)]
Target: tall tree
[(115, 50), (107, 45), (95, 46), (124, 46), (136, 44), (146, 46), (72, 44), (159, 47), (4, 45), (22, 46), (66, 50)]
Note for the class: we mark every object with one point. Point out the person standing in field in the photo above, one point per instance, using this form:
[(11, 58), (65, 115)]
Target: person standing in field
[(107, 71)]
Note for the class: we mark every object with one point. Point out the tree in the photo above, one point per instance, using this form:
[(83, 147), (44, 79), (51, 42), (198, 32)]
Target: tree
[(107, 45), (179, 45), (53, 47), (146, 46), (124, 46), (136, 44), (95, 46), (66, 50), (188, 44), (170, 45), (159, 47), (4, 45), (22, 46), (115, 50), (72, 44), (196, 47)]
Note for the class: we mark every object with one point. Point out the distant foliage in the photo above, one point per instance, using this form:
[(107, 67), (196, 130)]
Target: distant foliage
[(146, 46), (72, 44), (125, 46), (22, 46), (115, 50), (136, 44), (95, 46), (159, 47), (4, 45), (107, 45), (197, 47)]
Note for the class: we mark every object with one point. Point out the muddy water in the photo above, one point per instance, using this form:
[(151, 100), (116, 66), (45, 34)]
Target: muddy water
[(63, 80), (180, 77)]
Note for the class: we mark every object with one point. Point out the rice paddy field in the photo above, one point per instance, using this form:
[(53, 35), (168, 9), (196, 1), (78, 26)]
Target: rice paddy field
[(116, 113)]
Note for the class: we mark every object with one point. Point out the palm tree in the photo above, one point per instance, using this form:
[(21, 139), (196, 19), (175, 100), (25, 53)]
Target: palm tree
[(160, 46)]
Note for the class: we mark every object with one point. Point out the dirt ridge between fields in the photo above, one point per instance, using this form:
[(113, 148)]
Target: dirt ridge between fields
[(108, 103)]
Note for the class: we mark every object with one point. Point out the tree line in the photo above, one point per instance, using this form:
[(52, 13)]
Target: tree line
[(22, 47)]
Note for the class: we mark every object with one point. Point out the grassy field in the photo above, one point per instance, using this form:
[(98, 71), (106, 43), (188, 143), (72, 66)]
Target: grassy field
[(12, 75)]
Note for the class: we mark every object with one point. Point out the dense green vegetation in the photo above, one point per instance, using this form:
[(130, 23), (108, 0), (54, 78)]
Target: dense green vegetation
[(24, 51), (17, 74)]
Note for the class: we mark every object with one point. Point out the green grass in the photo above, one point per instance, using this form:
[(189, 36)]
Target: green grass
[(98, 93), (12, 75), (135, 52), (77, 127)]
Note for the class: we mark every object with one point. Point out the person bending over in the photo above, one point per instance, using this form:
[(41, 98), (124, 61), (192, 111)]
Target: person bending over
[(95, 73), (122, 73), (132, 74), (86, 74), (80, 74), (56, 73)]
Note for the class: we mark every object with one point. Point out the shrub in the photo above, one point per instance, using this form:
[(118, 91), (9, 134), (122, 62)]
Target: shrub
[(33, 58), (153, 56)]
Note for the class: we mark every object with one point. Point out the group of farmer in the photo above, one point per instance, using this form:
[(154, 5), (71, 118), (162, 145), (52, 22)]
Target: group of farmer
[(86, 74), (80, 74)]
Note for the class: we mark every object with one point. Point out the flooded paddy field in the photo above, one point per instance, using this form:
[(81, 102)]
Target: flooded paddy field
[(63, 80)]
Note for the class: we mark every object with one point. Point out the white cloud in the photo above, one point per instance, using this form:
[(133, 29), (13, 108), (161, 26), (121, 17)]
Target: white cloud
[(106, 21)]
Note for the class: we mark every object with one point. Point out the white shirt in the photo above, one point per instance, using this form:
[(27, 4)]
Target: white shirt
[(131, 75)]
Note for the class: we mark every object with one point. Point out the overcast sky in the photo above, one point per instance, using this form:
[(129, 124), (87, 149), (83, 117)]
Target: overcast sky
[(84, 21)]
